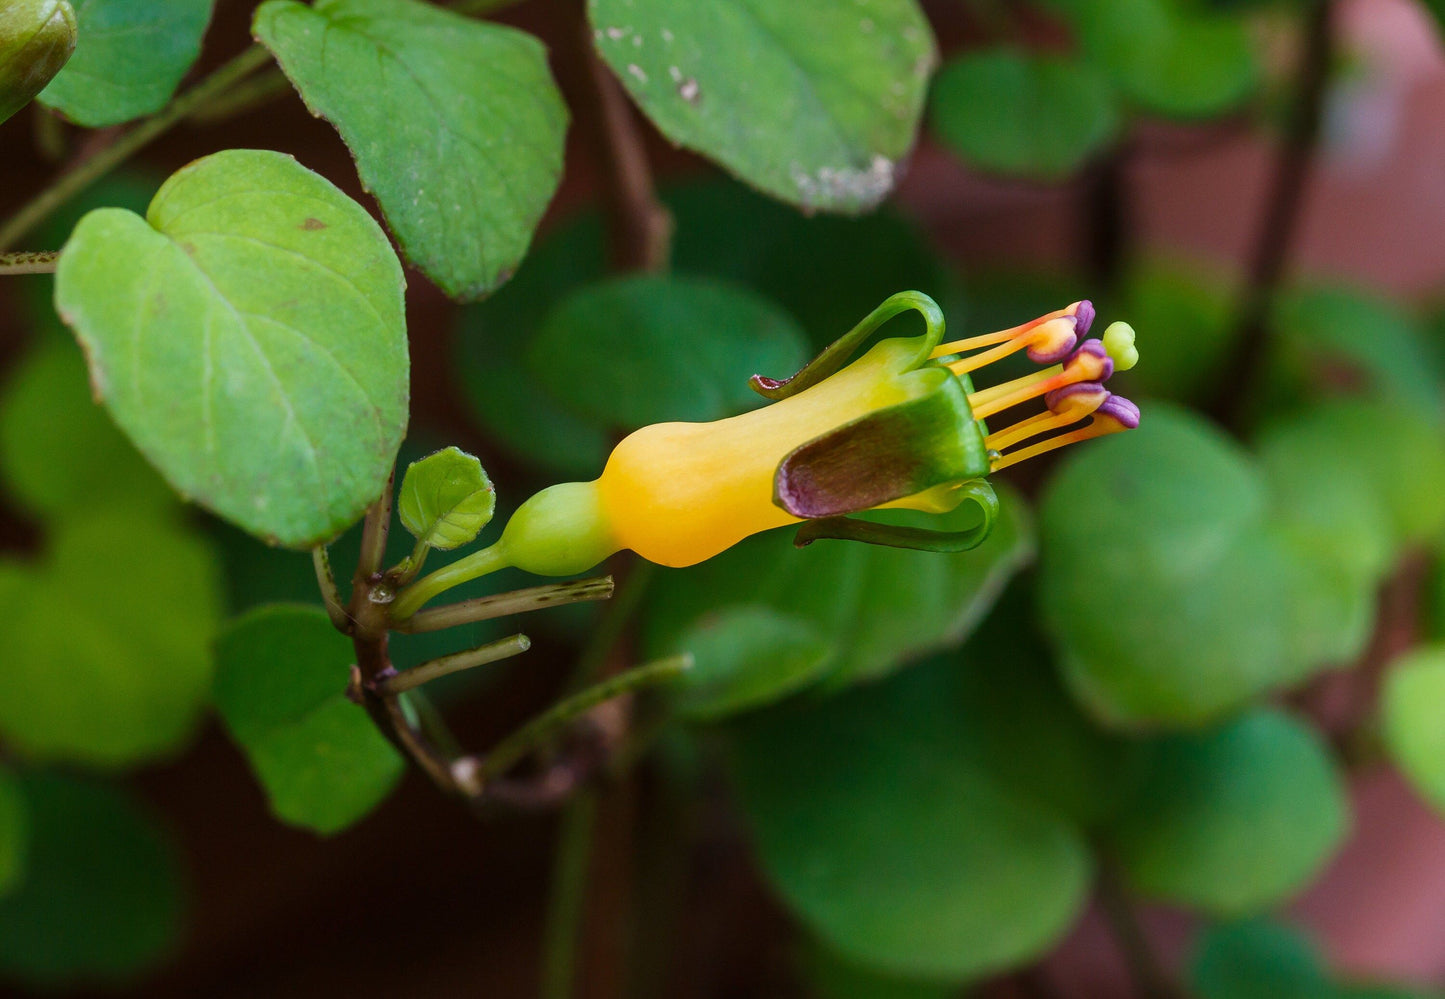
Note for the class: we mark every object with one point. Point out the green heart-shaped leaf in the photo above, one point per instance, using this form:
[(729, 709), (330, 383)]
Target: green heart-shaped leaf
[(249, 336)]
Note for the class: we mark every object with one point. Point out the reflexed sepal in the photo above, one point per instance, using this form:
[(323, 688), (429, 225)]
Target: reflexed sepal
[(836, 354), (977, 491), (884, 456), (36, 40)]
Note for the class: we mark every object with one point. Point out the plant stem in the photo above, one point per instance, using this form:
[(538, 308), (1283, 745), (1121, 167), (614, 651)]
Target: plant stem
[(570, 869), (463, 570), (446, 665), (1281, 218), (253, 93), (541, 729), (41, 262), (502, 604), (326, 580), (642, 240), (1144, 966), (374, 530), (88, 171)]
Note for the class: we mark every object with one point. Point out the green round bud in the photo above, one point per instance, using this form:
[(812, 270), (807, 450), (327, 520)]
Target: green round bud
[(36, 40), (558, 532)]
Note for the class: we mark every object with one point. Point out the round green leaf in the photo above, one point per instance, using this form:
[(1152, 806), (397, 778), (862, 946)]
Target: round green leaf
[(880, 830), (1168, 58), (281, 676), (745, 657), (1234, 819), (813, 102), (101, 896), (446, 498), (638, 350), (455, 124), (249, 336), (107, 656), (14, 832), (1258, 959), (1023, 115), (36, 39), (129, 57), (881, 607), (1161, 585), (1414, 720), (1332, 334), (60, 454)]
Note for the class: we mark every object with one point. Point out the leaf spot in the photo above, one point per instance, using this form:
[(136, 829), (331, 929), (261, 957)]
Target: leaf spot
[(637, 72), (312, 224)]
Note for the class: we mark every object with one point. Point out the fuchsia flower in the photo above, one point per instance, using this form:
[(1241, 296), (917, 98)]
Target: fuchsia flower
[(898, 427)]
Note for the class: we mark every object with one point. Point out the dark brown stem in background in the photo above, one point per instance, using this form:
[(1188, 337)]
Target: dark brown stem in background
[(1108, 222), (1281, 219), (1150, 978), (642, 236)]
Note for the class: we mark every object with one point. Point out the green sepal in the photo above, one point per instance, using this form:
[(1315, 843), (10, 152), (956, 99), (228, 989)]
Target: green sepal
[(978, 491), (885, 455), (836, 354), (36, 40)]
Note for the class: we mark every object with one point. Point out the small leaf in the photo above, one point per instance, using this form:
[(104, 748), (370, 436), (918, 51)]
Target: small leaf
[(1232, 820), (107, 657), (1414, 720), (281, 675), (887, 837), (14, 832), (446, 499), (455, 124), (633, 351), (882, 607), (1358, 339), (1168, 58), (1023, 115), (1259, 960), (129, 58), (60, 453), (745, 657), (249, 337), (101, 897), (36, 39), (827, 105)]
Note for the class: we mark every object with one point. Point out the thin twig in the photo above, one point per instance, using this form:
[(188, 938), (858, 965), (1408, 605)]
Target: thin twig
[(505, 648), (87, 171), (610, 629), (1280, 224), (503, 604), (326, 580), (568, 893), (541, 730), (38, 262), (643, 240), (1149, 976)]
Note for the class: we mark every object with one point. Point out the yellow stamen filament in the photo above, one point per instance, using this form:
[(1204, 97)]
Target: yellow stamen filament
[(984, 396), (1096, 427), (1082, 367), (987, 339), (1032, 427)]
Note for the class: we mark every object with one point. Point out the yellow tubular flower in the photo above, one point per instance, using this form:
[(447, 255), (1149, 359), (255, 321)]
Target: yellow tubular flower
[(899, 427)]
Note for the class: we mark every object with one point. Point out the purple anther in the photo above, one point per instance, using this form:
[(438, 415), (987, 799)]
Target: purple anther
[(1121, 410), (1096, 348), (1060, 340), (1059, 399), (1083, 317)]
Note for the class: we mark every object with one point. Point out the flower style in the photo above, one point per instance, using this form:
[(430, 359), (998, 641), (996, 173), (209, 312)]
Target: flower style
[(899, 427)]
